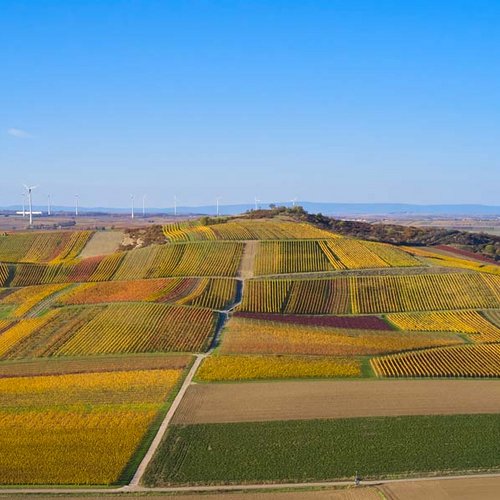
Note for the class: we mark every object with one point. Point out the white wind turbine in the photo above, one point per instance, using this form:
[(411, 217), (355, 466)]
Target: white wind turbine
[(29, 189), (293, 201), (132, 198), (48, 204), (256, 203), (175, 205), (217, 200), (76, 204)]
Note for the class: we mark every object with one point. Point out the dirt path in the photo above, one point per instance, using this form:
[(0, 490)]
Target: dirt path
[(136, 480), (163, 427), (47, 302), (264, 401), (463, 487), (248, 259)]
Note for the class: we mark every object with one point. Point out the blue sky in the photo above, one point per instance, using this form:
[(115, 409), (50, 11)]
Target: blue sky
[(347, 101)]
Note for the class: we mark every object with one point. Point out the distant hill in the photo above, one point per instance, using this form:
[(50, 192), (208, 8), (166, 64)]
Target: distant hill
[(327, 208)]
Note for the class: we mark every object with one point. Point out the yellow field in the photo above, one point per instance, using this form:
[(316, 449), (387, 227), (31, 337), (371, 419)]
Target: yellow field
[(142, 327), (76, 429), (21, 330), (373, 294), (279, 257), (470, 322), (225, 368), (441, 259), (28, 297), (472, 360), (241, 230)]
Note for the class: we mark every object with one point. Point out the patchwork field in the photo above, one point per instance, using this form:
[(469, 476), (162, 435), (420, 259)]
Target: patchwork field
[(95, 339)]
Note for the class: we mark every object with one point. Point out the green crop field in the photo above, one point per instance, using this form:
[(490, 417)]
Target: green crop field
[(320, 450)]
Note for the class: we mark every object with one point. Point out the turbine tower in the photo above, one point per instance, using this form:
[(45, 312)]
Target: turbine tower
[(29, 189), (256, 203), (76, 205), (217, 200), (48, 204), (24, 204), (132, 198), (175, 205)]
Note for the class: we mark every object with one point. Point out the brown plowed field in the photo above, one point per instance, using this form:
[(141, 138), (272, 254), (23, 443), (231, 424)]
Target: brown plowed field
[(473, 488), (253, 402)]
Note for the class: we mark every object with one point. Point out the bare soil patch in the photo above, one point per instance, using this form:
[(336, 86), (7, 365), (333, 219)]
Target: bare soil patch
[(102, 243), (296, 400), (248, 259), (473, 488)]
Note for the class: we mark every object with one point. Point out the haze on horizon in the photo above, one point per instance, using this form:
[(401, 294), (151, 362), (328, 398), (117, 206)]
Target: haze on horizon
[(342, 101)]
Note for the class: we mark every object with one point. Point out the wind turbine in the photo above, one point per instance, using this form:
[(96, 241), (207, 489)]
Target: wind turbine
[(76, 205), (175, 205), (256, 203), (24, 204), (132, 198), (293, 201), (29, 189), (48, 204), (217, 200)]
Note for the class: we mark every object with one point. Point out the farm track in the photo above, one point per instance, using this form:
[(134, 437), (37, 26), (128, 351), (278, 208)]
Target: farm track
[(246, 269), (469, 485), (47, 302), (265, 401), (139, 473), (384, 271)]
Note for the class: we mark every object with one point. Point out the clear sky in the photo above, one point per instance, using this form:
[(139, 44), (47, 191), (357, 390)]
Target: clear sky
[(347, 101)]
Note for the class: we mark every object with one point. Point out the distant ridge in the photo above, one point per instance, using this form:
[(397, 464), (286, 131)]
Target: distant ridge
[(332, 209)]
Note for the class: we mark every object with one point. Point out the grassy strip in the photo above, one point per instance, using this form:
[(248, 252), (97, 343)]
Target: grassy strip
[(322, 450), (6, 310)]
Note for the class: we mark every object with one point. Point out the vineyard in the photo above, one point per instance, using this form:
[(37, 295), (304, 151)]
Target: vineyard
[(227, 368), (142, 328), (197, 259), (242, 230), (477, 360), (442, 259), (42, 247), (84, 427), (243, 335), (470, 322), (373, 294), (282, 257), (214, 293), (27, 298)]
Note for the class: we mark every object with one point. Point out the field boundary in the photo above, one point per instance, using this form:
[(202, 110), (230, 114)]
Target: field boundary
[(243, 487), (164, 425)]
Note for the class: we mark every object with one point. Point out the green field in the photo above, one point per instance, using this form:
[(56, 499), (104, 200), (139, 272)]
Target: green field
[(321, 450)]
